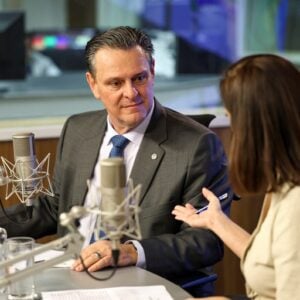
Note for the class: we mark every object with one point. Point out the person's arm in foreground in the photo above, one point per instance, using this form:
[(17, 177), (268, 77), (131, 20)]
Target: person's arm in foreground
[(214, 219)]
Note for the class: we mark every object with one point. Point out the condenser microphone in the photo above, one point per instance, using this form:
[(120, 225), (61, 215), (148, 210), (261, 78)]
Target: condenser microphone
[(26, 166), (26, 177), (113, 194), (118, 212)]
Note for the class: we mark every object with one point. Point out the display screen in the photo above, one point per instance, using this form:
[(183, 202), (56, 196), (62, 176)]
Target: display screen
[(12, 45), (72, 39), (64, 48)]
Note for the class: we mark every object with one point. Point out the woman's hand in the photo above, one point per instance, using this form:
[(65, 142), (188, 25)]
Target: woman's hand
[(205, 219), (213, 218)]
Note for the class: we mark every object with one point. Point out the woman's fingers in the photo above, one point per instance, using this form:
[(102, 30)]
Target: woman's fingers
[(211, 197), (183, 212), (190, 207)]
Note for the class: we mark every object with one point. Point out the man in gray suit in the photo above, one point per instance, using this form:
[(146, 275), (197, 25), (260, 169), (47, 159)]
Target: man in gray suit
[(169, 154)]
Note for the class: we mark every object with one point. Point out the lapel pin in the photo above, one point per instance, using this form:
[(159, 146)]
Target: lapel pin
[(153, 156)]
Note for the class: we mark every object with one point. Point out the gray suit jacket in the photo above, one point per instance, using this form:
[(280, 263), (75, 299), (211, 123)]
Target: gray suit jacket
[(188, 157)]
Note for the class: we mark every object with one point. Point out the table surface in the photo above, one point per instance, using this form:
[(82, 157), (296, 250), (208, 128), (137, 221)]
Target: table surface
[(55, 279)]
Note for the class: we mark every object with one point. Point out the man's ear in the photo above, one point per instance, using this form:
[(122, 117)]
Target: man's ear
[(152, 67), (92, 84)]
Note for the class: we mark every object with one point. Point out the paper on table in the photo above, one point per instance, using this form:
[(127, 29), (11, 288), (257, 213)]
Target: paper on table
[(157, 292), (51, 254), (65, 264)]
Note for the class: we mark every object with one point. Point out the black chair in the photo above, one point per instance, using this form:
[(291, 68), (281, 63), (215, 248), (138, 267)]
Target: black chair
[(198, 279), (204, 119), (201, 283)]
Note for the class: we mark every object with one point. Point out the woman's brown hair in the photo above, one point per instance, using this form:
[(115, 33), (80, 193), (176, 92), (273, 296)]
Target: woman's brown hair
[(262, 96)]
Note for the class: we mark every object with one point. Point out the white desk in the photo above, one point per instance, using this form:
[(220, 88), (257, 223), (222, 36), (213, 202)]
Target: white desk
[(55, 279)]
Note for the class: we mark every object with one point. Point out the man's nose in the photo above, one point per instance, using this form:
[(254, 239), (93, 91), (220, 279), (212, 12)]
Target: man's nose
[(130, 90)]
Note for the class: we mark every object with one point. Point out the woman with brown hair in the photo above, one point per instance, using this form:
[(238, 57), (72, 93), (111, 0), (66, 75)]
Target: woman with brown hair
[(261, 94)]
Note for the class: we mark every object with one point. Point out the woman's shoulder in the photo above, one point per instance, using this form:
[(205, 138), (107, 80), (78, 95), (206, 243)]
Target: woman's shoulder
[(287, 199), (290, 192)]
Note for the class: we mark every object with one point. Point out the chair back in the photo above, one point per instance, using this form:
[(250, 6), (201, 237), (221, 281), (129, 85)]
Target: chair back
[(204, 119)]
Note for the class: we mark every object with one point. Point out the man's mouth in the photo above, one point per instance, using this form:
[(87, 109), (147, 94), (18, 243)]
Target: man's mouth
[(133, 105)]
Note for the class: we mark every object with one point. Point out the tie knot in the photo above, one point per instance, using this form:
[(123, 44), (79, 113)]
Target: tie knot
[(119, 143)]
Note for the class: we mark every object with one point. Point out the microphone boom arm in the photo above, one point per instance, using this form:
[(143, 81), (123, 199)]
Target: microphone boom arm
[(73, 241)]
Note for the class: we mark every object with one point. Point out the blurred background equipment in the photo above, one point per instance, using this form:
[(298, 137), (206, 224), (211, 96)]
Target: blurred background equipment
[(12, 48)]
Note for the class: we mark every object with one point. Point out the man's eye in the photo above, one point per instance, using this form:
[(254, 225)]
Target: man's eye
[(114, 84), (141, 78)]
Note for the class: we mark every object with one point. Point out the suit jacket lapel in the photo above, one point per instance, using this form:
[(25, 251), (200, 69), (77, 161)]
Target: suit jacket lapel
[(89, 155), (150, 153), (147, 160)]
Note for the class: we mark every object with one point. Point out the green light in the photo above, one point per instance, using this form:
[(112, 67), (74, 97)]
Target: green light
[(50, 41)]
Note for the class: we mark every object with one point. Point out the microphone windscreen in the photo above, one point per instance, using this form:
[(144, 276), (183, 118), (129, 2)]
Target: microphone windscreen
[(113, 174), (23, 145), (24, 155)]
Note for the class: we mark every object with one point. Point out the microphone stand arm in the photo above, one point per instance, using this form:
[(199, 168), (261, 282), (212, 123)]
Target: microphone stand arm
[(71, 243)]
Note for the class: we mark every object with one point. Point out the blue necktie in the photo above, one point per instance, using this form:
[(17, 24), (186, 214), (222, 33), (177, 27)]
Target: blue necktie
[(119, 143)]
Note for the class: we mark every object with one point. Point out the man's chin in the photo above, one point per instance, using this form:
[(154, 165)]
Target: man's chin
[(134, 119)]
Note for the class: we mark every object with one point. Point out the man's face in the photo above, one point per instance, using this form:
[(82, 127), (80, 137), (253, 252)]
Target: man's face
[(123, 81)]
